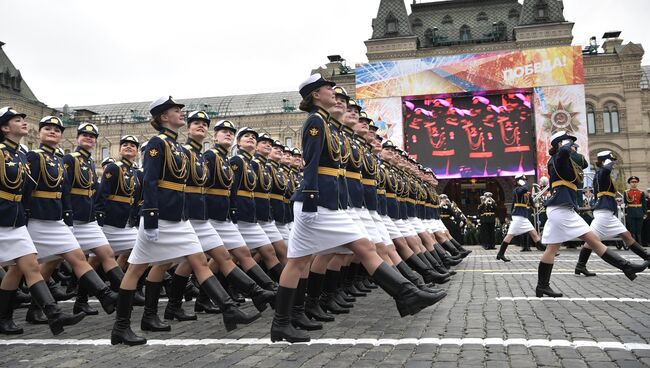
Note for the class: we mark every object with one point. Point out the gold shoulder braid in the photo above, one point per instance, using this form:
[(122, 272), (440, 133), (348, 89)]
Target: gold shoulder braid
[(266, 185), (5, 180), (222, 173), (392, 182), (178, 172), (281, 184), (84, 183), (249, 184), (198, 180), (128, 188), (49, 180), (333, 142), (355, 161), (381, 177), (370, 167)]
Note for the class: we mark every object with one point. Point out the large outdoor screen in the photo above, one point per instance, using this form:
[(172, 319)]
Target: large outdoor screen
[(472, 136)]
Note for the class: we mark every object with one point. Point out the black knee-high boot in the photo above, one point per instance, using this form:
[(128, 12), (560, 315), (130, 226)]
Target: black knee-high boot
[(639, 251), (431, 263), (150, 320), (413, 277), (348, 281), (427, 273), (261, 278), (298, 317), (328, 296), (56, 318), (581, 266), (437, 264), (81, 302), (408, 298), (7, 325), (232, 316), (447, 259), (281, 328), (449, 247), (276, 271), (357, 272), (115, 276), (122, 333), (203, 304), (96, 287), (245, 284), (629, 269), (313, 310), (544, 271), (540, 247), (502, 252), (464, 251), (174, 309)]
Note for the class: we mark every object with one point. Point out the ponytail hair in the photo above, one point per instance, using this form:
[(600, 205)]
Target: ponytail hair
[(553, 150), (307, 103), (599, 164)]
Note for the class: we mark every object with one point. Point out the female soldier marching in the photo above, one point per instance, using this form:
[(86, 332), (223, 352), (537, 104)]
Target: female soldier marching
[(18, 249)]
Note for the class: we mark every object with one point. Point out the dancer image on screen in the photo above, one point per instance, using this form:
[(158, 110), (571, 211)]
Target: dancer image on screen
[(606, 224), (563, 223), (520, 223)]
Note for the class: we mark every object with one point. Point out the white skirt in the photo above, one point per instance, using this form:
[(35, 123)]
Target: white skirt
[(121, 240), (51, 238), (357, 221), (606, 225), (176, 239), (520, 225), (271, 231), (405, 228), (438, 225), (229, 234), (563, 224), (369, 225), (326, 234), (89, 235), (417, 224), (253, 234), (392, 229), (381, 228), (284, 230), (207, 235), (16, 243)]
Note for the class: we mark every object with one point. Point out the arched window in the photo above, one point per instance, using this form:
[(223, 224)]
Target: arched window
[(391, 24), (465, 33), (513, 13), (591, 120), (481, 17), (610, 119), (447, 19)]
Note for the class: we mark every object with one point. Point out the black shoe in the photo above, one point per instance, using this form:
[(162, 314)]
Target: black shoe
[(298, 317), (122, 333), (95, 286), (581, 268), (7, 325), (544, 271), (232, 316), (150, 320), (281, 328), (369, 284), (314, 311), (540, 247), (408, 298), (328, 304), (191, 291), (502, 252), (340, 301), (347, 297), (81, 303), (174, 309), (55, 317), (352, 290), (58, 292), (203, 304), (21, 298), (35, 315), (261, 297), (358, 284)]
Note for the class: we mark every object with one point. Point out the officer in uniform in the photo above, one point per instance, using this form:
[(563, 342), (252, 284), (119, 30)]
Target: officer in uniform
[(635, 204), (487, 213), (646, 220), (81, 181), (19, 252)]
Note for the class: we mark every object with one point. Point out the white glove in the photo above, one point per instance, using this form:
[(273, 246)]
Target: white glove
[(151, 234), (521, 182), (309, 217), (607, 162), (567, 141)]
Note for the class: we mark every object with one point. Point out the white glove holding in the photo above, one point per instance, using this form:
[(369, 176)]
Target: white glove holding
[(521, 182), (607, 162), (309, 217), (151, 234), (567, 141)]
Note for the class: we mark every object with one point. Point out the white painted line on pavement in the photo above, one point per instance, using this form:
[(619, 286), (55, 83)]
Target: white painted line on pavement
[(375, 342), (564, 273), (563, 299)]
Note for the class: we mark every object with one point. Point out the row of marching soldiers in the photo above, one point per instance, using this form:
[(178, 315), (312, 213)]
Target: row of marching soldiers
[(221, 219)]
